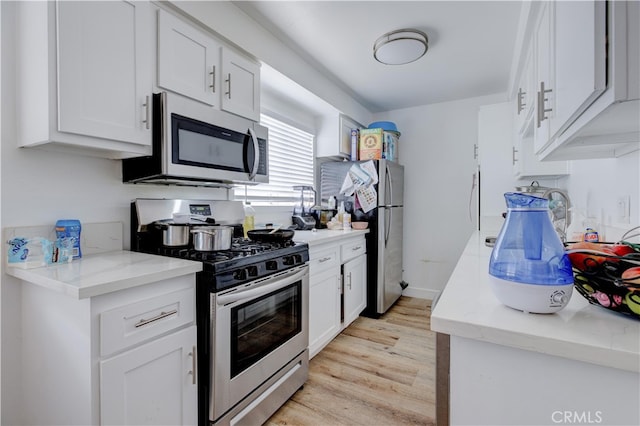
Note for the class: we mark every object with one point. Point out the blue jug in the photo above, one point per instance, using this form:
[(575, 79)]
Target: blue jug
[(529, 269)]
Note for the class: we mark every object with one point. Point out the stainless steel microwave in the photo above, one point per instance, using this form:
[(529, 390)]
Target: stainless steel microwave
[(197, 145)]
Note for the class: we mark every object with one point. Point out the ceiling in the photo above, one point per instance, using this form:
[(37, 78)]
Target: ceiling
[(471, 45)]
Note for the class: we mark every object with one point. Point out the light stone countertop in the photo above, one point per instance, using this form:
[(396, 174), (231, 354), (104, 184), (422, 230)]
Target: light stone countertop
[(322, 236), (468, 308), (98, 274)]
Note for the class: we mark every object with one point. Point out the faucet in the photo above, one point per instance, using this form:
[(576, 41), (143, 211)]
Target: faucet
[(559, 211)]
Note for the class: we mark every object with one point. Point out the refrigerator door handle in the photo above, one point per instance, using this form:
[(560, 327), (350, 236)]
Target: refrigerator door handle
[(389, 183), (387, 225)]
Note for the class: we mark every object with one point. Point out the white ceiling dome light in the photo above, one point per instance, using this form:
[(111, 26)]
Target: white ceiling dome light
[(400, 46)]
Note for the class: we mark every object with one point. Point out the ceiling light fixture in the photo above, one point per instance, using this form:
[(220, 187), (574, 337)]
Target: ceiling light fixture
[(400, 46)]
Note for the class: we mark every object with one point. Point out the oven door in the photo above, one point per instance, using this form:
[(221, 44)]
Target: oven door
[(257, 329)]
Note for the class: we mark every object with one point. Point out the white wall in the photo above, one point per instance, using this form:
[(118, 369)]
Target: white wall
[(436, 148), (595, 186)]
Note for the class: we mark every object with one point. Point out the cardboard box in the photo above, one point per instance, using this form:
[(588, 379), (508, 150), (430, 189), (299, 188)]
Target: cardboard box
[(390, 145), (370, 144)]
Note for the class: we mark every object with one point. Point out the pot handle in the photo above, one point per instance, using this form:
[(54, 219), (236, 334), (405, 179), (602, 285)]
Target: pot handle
[(202, 231)]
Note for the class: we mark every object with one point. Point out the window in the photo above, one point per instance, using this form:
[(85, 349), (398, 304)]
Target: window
[(290, 164)]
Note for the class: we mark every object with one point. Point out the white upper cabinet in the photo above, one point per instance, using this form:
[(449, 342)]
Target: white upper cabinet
[(241, 85), (579, 59), (195, 64), (585, 66), (188, 60), (334, 137), (84, 76)]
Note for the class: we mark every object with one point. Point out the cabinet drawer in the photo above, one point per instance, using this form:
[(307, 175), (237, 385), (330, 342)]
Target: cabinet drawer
[(131, 324), (352, 249), (323, 259)]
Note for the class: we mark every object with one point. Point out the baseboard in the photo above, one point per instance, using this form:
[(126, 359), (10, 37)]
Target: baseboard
[(420, 293)]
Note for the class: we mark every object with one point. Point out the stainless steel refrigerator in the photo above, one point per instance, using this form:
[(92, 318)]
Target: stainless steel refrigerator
[(384, 241)]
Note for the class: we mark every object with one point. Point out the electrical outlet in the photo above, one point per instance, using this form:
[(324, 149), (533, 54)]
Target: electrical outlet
[(623, 209)]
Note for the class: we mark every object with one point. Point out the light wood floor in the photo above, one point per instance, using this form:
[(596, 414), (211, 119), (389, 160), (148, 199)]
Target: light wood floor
[(376, 372)]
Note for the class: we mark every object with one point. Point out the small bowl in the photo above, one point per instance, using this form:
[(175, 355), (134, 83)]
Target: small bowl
[(388, 126), (359, 225), (333, 226)]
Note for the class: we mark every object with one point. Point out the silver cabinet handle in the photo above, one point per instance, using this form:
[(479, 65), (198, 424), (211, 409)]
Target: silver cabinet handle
[(192, 354), (228, 80), (161, 315), (324, 259), (521, 103), (147, 108), (213, 79), (542, 98), (356, 248), (514, 151), (349, 280)]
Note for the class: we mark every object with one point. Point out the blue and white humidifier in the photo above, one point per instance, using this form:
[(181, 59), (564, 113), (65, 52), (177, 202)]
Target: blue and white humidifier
[(529, 269)]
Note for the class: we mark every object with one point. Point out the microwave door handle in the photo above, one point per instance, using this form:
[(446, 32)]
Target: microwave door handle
[(256, 157)]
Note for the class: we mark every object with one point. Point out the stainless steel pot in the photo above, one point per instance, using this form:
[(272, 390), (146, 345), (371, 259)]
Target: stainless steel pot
[(212, 238), (174, 234)]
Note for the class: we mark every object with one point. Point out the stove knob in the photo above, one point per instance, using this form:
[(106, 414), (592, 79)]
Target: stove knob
[(252, 271), (288, 260), (297, 258), (272, 265), (240, 274)]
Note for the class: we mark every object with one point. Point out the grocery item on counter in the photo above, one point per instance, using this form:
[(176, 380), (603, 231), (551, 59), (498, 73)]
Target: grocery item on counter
[(70, 228), (249, 219)]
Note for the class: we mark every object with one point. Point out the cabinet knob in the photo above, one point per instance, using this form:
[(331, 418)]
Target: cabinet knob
[(542, 99), (521, 103), (228, 80), (213, 79), (147, 108)]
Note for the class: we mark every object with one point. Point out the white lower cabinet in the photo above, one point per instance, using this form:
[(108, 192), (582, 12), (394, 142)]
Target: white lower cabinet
[(151, 384), (337, 289), (354, 279), (126, 357), (324, 309)]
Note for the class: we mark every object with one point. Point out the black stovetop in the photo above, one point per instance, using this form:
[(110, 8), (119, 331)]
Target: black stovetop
[(245, 261)]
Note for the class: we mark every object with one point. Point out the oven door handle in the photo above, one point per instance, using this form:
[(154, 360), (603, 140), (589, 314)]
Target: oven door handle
[(232, 297)]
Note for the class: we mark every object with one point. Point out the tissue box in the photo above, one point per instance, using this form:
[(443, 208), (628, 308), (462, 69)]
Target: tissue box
[(370, 144)]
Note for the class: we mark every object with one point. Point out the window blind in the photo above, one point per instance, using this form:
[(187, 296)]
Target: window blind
[(290, 163)]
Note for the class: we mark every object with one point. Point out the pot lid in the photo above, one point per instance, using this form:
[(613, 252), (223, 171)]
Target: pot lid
[(533, 188)]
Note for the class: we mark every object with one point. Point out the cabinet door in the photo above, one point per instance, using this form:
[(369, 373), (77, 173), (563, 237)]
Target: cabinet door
[(324, 309), (104, 80), (579, 59), (187, 60), (354, 276), (241, 86), (543, 49), (151, 384)]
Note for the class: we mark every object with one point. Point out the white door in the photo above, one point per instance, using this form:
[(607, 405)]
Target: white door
[(544, 100), (188, 60), (241, 85), (104, 73), (579, 59), (324, 309), (354, 283), (151, 384)]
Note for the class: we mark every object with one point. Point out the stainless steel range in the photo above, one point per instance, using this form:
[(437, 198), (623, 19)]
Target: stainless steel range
[(252, 310)]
